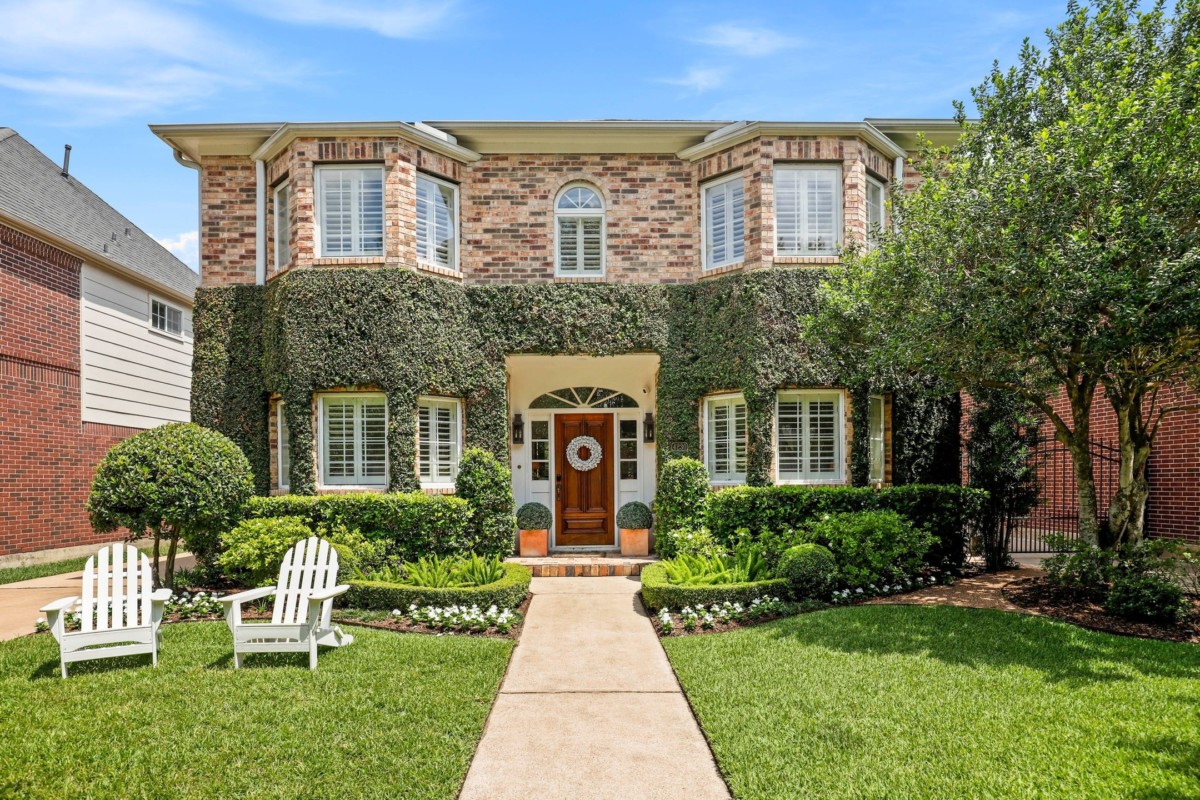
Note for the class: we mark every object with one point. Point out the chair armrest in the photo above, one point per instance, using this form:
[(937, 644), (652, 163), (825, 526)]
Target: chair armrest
[(248, 595), (160, 595), (59, 605), (327, 594)]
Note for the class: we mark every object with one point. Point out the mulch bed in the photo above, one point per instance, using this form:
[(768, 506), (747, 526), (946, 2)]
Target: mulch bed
[(1038, 596), (399, 625)]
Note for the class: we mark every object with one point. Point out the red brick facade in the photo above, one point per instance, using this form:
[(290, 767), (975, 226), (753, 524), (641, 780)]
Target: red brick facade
[(47, 453)]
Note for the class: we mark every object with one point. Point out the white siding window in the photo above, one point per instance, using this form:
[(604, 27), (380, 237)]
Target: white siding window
[(875, 423), (579, 232), (876, 208), (437, 222), (350, 215), (808, 437), (283, 227), (284, 445), (353, 440), (725, 438), (808, 210), (724, 223), (166, 317), (438, 441)]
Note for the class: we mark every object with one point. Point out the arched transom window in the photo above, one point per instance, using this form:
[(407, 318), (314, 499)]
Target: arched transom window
[(579, 231), (584, 397)]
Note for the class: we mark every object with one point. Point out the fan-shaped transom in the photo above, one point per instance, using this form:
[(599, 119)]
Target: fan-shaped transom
[(584, 397), (580, 198)]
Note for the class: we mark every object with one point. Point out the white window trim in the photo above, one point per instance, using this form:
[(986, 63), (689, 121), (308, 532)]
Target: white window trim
[(839, 455), (279, 263), (839, 210), (283, 478), (602, 213), (738, 478), (150, 301), (323, 443), (318, 212), (872, 477), (704, 190), (883, 193), (454, 224), (458, 437)]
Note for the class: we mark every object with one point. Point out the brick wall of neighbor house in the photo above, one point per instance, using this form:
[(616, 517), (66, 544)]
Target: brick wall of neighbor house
[(47, 455)]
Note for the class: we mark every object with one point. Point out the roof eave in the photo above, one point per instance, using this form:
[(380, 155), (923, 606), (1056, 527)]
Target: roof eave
[(753, 130)]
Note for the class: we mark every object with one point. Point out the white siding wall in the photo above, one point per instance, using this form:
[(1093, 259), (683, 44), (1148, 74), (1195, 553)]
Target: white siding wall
[(132, 375)]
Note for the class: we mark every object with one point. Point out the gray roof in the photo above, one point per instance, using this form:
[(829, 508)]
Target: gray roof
[(33, 190)]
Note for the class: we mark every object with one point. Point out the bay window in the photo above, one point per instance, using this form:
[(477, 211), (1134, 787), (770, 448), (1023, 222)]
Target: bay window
[(808, 210), (350, 211), (724, 222), (438, 441), (808, 437), (353, 439), (725, 438)]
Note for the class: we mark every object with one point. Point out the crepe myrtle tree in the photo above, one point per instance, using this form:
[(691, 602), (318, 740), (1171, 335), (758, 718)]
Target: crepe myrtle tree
[(1055, 248), (178, 480)]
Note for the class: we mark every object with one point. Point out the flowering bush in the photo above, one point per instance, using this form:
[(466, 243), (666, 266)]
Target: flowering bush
[(460, 618), (687, 542), (690, 618), (843, 596)]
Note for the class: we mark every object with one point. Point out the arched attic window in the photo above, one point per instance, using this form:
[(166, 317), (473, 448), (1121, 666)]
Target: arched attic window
[(579, 231)]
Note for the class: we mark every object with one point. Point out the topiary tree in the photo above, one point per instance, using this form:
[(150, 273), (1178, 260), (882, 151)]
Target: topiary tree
[(634, 516), (809, 569), (486, 484), (175, 481), (682, 494), (533, 517)]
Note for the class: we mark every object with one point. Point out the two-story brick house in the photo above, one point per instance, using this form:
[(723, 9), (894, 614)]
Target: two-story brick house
[(584, 298)]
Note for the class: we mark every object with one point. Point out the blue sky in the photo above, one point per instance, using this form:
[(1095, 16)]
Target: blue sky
[(94, 73)]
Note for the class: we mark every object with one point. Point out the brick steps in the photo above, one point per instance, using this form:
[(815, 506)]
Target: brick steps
[(590, 566)]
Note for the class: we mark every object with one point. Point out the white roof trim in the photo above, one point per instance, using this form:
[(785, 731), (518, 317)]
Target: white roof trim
[(742, 132), (438, 142)]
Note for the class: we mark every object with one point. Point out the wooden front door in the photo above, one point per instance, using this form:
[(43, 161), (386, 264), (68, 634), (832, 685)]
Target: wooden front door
[(584, 499)]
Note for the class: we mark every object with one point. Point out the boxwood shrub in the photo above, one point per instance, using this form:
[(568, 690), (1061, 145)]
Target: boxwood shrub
[(508, 592), (948, 512), (413, 524), (658, 592)]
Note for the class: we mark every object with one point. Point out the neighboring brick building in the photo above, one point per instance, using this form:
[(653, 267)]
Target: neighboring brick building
[(82, 363)]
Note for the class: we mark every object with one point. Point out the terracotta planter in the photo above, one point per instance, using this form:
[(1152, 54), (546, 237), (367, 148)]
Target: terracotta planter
[(635, 541), (535, 543)]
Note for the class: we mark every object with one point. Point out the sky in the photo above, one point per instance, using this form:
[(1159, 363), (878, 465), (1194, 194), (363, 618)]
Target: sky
[(95, 73)]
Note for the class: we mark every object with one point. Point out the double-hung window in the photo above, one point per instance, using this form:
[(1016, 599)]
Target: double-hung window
[(808, 210), (283, 227), (808, 437), (353, 439), (724, 222), (876, 209), (437, 222), (875, 431), (579, 232), (725, 438), (438, 436), (350, 211), (166, 317)]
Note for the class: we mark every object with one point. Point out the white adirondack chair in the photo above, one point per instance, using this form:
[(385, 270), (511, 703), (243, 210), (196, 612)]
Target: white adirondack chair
[(120, 612), (303, 605)]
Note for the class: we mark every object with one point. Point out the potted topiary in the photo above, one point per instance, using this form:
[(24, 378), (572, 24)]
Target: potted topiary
[(634, 521), (533, 520)]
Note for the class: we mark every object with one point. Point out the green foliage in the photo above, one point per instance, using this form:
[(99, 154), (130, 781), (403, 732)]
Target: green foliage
[(950, 513), (508, 592), (871, 547), (1002, 429), (441, 572), (533, 517), (633, 516), (687, 541), (486, 485), (254, 549), (1080, 568), (810, 570), (1146, 597), (410, 524), (682, 493), (177, 480), (746, 565), (658, 591)]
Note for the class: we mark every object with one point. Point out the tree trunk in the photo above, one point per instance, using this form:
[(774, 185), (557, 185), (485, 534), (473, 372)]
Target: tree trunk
[(157, 571), (1127, 512), (171, 550), (1085, 485)]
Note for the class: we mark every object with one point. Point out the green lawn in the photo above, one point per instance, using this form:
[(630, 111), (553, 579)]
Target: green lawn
[(940, 702), (14, 574), (391, 715)]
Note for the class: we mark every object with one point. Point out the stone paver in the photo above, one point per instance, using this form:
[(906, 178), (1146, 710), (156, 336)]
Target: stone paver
[(590, 707)]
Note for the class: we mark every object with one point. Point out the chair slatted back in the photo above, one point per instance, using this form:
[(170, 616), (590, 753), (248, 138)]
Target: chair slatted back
[(310, 566), (117, 583)]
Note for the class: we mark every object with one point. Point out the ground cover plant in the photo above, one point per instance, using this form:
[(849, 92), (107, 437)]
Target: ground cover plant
[(906, 701), (192, 727), (28, 573)]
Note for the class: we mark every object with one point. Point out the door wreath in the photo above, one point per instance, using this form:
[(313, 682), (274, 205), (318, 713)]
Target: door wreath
[(582, 443)]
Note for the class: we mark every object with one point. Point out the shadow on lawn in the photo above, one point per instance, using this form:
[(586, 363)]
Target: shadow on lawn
[(985, 638), (1165, 753)]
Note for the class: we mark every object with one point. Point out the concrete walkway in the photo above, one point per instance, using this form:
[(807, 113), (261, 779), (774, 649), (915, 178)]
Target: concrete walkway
[(21, 602), (590, 707)]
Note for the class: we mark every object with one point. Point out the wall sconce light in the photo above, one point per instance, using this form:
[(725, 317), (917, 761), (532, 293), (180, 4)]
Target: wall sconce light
[(648, 428), (518, 429)]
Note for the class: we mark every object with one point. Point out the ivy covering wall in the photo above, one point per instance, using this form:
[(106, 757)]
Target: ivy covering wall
[(408, 334)]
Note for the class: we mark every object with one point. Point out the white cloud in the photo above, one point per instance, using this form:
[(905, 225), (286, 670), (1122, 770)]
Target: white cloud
[(185, 246), (744, 40), (403, 20), (699, 79)]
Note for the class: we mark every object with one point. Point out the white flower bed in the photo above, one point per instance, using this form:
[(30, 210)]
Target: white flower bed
[(460, 618), (185, 604), (707, 618)]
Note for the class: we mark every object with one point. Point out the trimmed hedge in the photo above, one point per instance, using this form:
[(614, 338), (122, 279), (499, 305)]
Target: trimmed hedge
[(658, 592), (508, 592), (413, 524), (948, 512)]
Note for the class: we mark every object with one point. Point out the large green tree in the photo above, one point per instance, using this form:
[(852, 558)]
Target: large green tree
[(1055, 249)]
